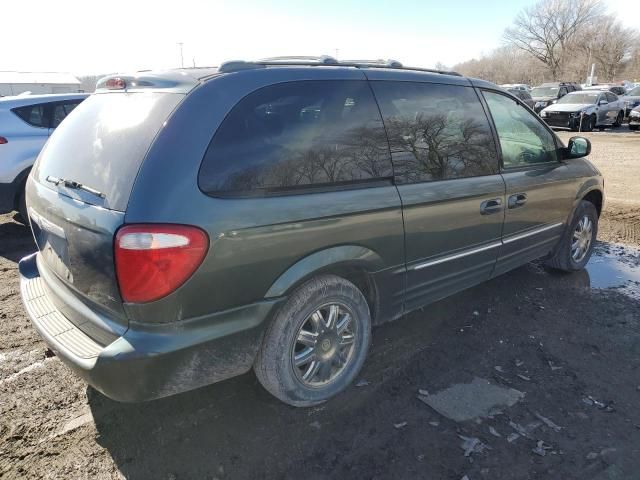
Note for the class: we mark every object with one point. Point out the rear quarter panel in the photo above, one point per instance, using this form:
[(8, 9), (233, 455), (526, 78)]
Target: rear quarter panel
[(253, 240)]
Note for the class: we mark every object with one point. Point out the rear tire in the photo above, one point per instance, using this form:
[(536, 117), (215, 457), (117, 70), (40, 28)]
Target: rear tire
[(23, 215), (326, 321), (619, 119), (576, 246)]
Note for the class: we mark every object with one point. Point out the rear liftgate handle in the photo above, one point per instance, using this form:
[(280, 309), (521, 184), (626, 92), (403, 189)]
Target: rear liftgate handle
[(491, 206), (517, 200)]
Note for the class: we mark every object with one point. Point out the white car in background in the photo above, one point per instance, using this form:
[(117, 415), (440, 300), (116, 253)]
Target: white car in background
[(585, 110), (26, 122)]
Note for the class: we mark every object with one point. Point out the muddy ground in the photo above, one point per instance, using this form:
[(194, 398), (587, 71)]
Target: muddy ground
[(572, 350)]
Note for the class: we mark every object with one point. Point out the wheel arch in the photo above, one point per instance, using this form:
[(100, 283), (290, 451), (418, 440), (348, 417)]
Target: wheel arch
[(20, 182), (352, 262), (596, 197)]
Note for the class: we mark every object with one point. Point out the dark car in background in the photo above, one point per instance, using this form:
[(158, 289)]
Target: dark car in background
[(522, 95), (548, 93), (631, 100), (634, 119), (194, 224), (615, 89)]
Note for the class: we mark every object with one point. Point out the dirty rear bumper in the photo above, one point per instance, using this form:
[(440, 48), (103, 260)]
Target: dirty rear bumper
[(148, 361)]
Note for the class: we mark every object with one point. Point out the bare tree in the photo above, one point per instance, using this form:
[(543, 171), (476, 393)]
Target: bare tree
[(546, 30), (612, 45)]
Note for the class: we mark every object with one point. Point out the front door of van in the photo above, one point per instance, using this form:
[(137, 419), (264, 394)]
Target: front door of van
[(539, 188), (446, 170)]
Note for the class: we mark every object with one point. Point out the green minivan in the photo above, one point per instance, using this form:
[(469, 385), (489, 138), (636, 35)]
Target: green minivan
[(194, 224)]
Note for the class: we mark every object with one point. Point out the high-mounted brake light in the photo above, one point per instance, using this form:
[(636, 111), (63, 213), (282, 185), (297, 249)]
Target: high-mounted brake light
[(154, 260), (115, 84), (3, 141)]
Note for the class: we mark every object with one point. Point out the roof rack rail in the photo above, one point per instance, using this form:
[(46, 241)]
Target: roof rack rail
[(295, 60), (324, 60), (380, 62)]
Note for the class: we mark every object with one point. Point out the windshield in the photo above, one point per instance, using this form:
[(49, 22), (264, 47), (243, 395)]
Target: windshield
[(582, 98), (635, 92), (544, 91)]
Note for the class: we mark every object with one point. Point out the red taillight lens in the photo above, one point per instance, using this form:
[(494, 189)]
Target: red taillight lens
[(115, 84), (154, 260), (3, 141)]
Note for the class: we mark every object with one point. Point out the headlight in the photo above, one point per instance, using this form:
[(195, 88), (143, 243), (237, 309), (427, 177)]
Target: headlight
[(543, 114), (634, 113)]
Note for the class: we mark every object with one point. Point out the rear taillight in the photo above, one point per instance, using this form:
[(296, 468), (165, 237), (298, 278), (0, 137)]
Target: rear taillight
[(154, 260), (3, 141), (115, 84)]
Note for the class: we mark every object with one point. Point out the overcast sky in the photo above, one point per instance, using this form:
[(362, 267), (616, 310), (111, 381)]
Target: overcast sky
[(103, 37)]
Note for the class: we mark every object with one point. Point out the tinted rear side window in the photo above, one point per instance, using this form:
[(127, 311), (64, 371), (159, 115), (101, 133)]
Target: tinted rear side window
[(104, 142), (61, 110), (298, 135), (436, 132), (34, 115)]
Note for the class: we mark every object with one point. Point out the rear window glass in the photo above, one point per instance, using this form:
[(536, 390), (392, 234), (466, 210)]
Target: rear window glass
[(103, 143), (34, 115), (298, 135), (61, 110)]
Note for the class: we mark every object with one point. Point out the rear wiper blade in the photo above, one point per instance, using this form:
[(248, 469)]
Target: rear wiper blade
[(74, 185)]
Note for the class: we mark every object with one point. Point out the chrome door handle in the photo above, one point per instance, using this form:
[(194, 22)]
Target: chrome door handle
[(517, 200), (491, 206)]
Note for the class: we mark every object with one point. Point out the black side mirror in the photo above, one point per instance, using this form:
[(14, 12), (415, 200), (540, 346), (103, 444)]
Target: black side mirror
[(578, 147)]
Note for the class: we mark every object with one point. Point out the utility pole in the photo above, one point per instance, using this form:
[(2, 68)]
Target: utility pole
[(180, 44)]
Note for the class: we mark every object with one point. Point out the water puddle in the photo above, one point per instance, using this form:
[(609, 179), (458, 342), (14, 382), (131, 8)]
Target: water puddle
[(615, 266)]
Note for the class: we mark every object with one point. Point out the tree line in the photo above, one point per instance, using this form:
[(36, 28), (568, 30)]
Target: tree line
[(559, 40)]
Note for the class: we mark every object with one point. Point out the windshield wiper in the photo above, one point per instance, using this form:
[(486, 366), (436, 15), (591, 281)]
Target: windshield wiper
[(74, 185)]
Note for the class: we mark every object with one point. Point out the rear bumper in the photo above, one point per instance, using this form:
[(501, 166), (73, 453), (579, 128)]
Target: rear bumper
[(148, 361)]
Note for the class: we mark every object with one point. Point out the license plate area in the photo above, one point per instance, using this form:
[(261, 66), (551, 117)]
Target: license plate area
[(51, 240)]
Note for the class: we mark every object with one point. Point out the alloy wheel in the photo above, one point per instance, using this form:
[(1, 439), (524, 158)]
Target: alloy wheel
[(582, 238), (324, 345)]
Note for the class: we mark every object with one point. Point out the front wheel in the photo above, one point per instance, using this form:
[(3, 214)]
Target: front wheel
[(576, 246), (316, 344), (588, 123)]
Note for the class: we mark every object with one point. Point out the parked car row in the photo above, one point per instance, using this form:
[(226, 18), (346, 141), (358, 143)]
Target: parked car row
[(570, 105), (192, 225)]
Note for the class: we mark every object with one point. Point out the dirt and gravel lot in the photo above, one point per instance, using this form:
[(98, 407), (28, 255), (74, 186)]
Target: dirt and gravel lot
[(617, 154), (570, 350)]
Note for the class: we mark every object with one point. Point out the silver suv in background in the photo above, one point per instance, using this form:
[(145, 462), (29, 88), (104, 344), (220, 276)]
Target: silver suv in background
[(25, 125), (585, 110)]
